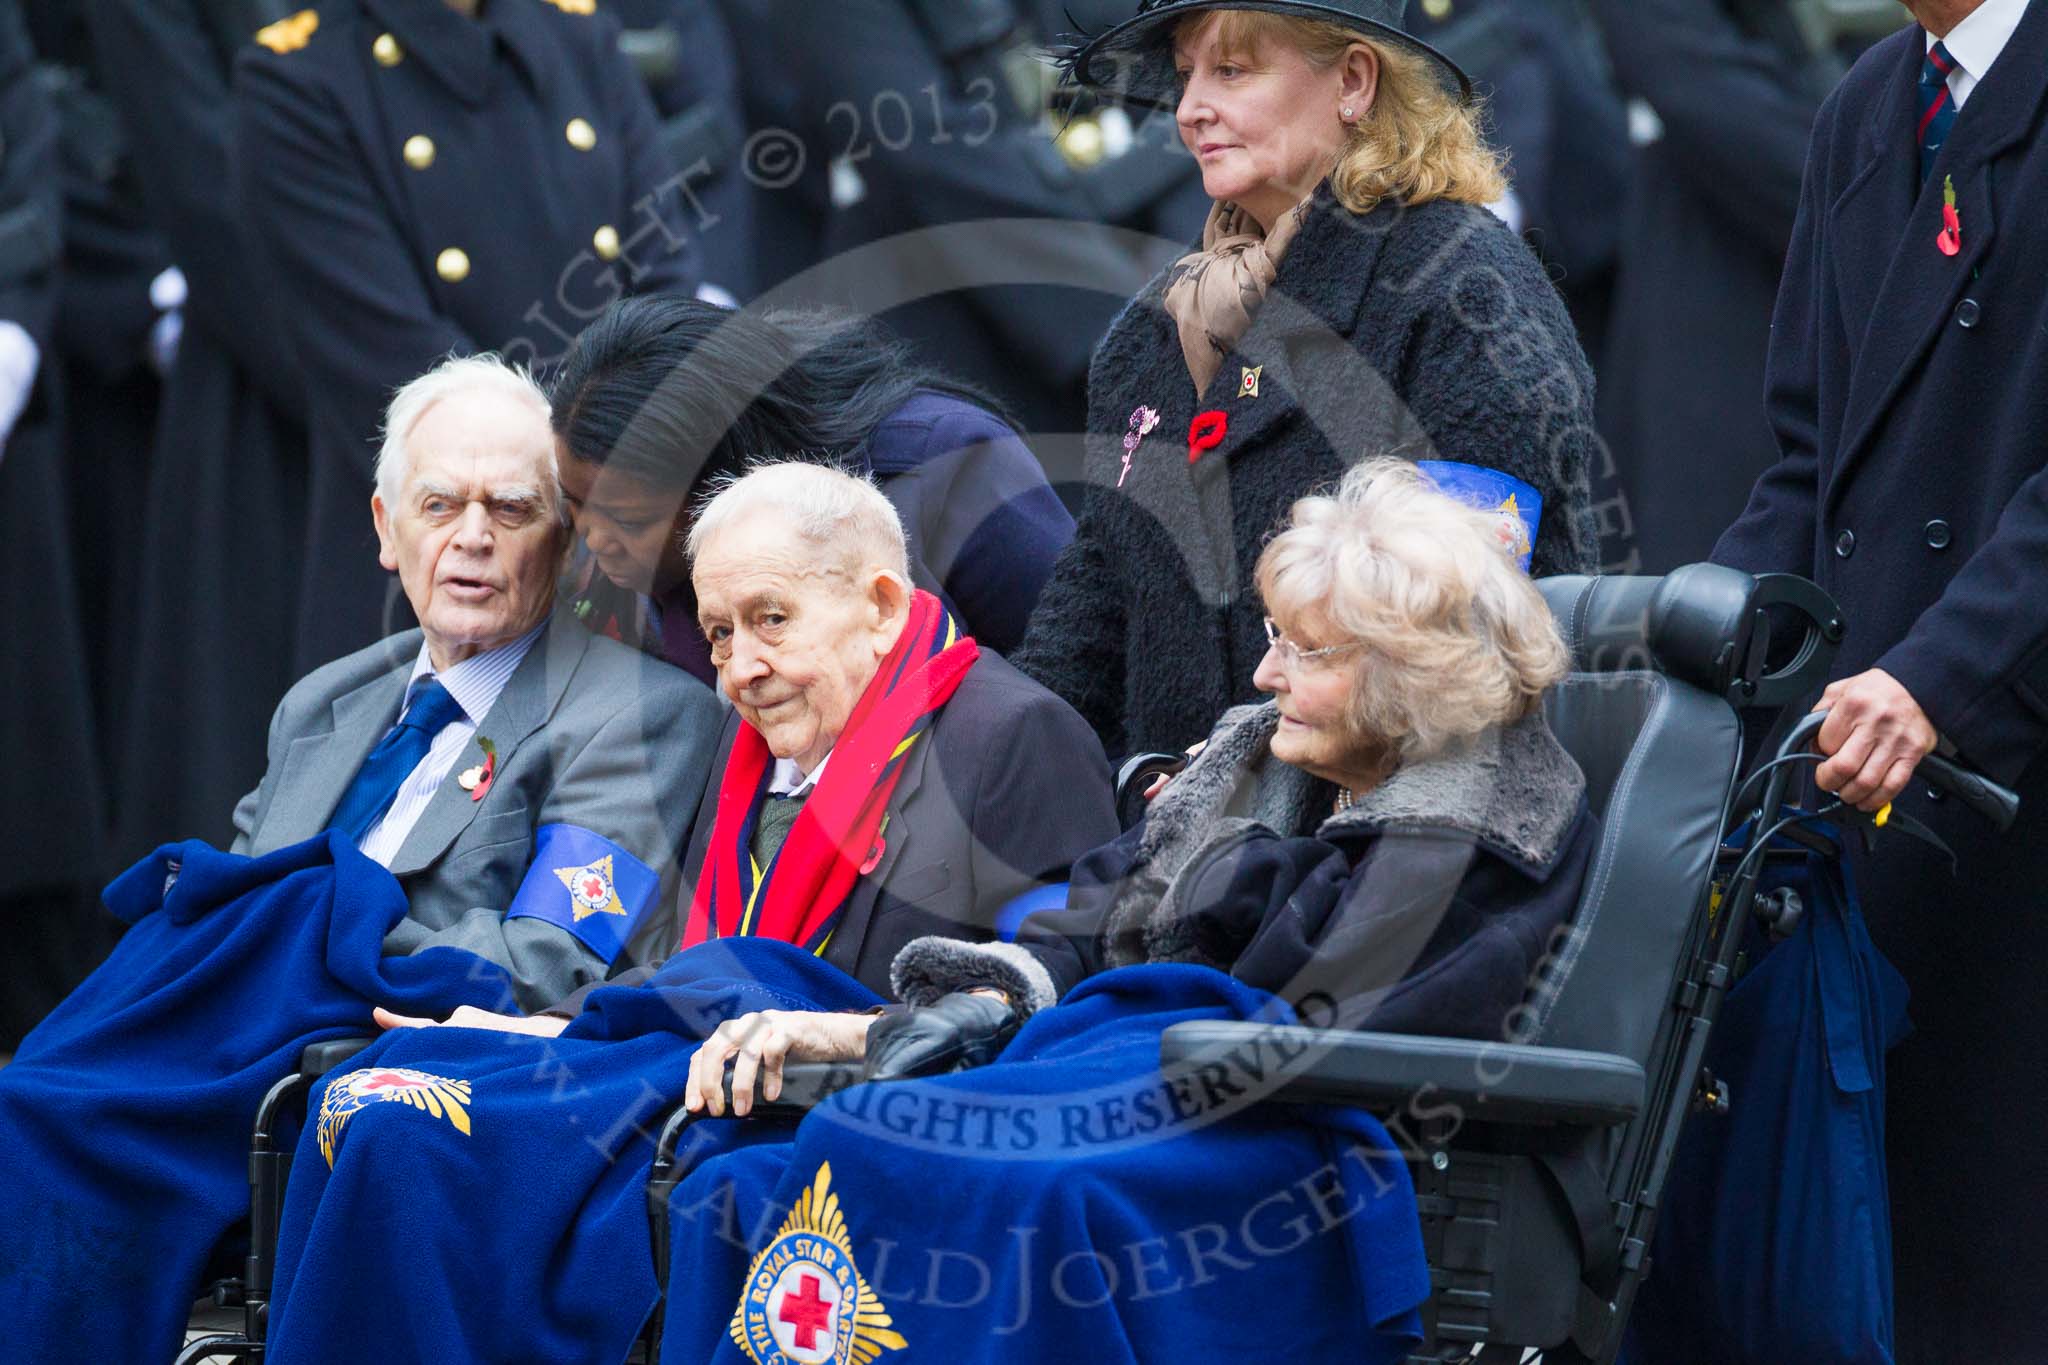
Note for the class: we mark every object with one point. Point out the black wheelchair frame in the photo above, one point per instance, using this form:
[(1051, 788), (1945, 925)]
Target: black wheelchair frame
[(1558, 1155)]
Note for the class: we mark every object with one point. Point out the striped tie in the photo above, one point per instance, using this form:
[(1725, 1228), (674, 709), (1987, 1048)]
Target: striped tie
[(1937, 107)]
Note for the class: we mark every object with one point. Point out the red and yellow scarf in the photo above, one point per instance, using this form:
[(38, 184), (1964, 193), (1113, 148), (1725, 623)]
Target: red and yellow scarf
[(837, 835)]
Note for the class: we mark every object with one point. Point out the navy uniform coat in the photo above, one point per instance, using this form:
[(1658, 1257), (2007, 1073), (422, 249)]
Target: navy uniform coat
[(50, 807), (941, 141), (1909, 392), (1706, 224), (222, 545), (426, 183), (1430, 332)]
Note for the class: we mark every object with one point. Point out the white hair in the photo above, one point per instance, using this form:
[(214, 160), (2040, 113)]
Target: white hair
[(842, 514), (1457, 638), (456, 374)]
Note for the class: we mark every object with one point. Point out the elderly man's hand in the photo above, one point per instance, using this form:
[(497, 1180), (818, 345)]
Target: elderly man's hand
[(759, 1044), (1874, 736), (469, 1016)]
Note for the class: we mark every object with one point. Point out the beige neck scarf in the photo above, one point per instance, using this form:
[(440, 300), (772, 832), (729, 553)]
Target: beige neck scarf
[(1212, 294)]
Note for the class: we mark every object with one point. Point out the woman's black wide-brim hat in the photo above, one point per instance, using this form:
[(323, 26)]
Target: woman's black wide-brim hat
[(1132, 62)]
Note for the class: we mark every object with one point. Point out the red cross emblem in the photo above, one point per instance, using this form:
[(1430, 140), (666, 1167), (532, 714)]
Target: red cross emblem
[(593, 887), (807, 1311)]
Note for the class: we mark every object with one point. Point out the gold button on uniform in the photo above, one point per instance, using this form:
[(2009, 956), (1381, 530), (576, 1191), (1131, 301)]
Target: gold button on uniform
[(452, 265), (419, 151), (606, 240), (387, 51), (581, 135), (1438, 10)]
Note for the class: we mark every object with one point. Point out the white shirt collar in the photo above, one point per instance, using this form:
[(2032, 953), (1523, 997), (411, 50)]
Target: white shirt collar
[(475, 682), (1976, 42), (788, 779)]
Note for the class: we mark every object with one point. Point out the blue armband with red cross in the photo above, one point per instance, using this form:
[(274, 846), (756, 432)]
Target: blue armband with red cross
[(584, 883)]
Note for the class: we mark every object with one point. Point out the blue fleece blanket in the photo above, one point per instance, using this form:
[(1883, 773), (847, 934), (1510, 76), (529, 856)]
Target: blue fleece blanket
[(1069, 1202), (486, 1199), (124, 1118)]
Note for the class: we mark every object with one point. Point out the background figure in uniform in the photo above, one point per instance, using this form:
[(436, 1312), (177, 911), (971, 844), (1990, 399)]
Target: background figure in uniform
[(684, 50), (113, 341), (1734, 86), (1552, 107), (1909, 391), (429, 178), (50, 806), (221, 544), (916, 114)]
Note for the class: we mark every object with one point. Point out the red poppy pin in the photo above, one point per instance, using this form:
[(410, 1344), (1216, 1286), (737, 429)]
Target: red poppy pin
[(1950, 239), (476, 781), (1206, 432)]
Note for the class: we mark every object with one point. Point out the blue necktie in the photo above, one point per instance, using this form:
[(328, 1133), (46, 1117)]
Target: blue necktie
[(377, 782), (1937, 107)]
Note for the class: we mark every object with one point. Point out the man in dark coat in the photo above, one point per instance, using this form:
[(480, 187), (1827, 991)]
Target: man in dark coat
[(222, 542), (429, 179), (1735, 86), (1909, 391), (50, 806)]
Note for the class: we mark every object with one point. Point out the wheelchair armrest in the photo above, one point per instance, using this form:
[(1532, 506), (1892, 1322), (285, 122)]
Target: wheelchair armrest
[(320, 1058), (1488, 1082)]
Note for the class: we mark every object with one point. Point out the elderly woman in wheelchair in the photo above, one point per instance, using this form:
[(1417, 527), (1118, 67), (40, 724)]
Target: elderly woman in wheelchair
[(1391, 842)]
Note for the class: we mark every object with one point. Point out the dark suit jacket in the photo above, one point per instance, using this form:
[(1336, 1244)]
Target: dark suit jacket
[(1008, 790), (1909, 393), (588, 734)]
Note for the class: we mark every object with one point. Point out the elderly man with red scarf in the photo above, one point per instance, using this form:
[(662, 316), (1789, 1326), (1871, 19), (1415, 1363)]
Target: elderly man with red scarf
[(881, 778)]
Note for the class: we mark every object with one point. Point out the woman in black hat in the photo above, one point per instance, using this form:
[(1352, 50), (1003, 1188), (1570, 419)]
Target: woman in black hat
[(1351, 297)]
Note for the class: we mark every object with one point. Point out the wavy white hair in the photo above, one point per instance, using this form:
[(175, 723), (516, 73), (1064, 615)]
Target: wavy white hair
[(1456, 637)]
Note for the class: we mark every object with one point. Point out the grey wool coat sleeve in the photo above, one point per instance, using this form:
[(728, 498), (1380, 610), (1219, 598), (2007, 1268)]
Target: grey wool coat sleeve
[(589, 734), (1429, 332)]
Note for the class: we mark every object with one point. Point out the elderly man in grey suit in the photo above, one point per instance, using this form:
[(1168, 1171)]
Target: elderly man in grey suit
[(528, 783)]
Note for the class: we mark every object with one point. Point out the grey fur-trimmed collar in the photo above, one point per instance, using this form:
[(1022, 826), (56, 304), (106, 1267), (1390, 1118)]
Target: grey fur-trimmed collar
[(1514, 790)]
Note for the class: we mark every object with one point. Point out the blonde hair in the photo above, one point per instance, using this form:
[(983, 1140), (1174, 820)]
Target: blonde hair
[(1416, 143), (1456, 638)]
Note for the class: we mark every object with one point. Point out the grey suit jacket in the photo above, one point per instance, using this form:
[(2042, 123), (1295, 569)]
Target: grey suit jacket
[(588, 732)]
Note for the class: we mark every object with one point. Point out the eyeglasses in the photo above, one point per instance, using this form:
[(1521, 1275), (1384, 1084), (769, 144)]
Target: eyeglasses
[(1293, 655)]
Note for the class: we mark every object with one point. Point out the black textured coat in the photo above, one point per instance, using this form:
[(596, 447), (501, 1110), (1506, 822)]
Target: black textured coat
[(1429, 332), (1909, 393)]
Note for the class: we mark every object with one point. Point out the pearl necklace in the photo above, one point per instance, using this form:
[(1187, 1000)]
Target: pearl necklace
[(1345, 800)]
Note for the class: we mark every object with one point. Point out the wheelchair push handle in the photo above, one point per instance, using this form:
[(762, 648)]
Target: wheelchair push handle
[(1998, 804)]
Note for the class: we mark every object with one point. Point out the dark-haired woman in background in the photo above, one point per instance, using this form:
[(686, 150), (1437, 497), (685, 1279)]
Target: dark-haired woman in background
[(664, 394)]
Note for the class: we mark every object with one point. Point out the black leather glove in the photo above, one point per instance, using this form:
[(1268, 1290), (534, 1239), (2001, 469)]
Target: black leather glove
[(956, 1032)]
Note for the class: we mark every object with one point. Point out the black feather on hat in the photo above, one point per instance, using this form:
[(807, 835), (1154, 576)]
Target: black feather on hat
[(1131, 63)]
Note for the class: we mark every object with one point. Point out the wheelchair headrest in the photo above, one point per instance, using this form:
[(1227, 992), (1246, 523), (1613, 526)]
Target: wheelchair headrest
[(1704, 624)]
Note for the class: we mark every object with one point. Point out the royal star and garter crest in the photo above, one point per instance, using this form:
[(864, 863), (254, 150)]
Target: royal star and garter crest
[(436, 1095), (590, 887), (805, 1302), (1514, 535)]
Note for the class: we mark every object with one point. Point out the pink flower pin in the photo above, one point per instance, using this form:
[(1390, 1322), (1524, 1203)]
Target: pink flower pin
[(1142, 423), (477, 781)]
